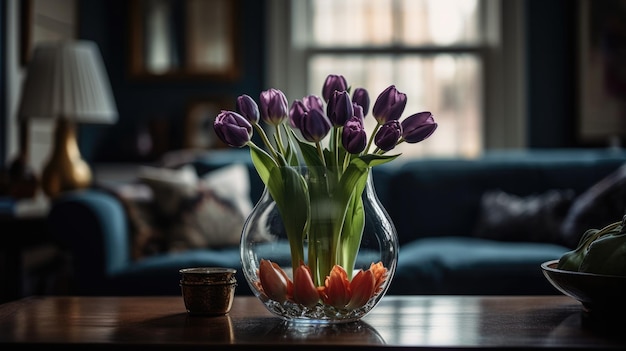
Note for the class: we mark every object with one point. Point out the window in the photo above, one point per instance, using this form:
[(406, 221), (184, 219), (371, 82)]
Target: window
[(444, 54)]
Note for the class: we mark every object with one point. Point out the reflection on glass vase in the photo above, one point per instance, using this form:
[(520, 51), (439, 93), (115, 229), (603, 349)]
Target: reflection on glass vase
[(334, 268)]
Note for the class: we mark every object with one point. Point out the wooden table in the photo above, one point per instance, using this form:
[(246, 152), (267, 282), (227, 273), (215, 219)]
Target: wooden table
[(398, 322)]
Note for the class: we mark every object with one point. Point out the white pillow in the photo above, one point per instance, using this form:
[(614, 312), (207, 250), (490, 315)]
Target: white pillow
[(231, 183), (170, 187), (192, 212)]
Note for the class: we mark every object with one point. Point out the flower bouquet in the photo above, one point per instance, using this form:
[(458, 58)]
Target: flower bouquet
[(315, 165)]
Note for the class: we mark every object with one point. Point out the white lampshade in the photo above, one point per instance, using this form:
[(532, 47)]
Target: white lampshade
[(67, 79)]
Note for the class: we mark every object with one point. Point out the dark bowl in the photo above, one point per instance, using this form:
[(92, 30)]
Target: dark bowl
[(596, 292)]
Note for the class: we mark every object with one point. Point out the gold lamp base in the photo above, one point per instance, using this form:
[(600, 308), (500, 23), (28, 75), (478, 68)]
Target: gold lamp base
[(66, 170)]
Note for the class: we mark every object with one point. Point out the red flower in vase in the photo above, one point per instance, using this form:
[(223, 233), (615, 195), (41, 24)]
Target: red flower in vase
[(338, 290)]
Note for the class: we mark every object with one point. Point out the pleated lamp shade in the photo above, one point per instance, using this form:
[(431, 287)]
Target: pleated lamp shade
[(67, 81)]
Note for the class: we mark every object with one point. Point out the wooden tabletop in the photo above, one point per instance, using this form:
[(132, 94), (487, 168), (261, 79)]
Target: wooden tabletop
[(411, 322)]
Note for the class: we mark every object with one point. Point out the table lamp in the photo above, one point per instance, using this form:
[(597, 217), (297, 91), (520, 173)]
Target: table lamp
[(67, 81)]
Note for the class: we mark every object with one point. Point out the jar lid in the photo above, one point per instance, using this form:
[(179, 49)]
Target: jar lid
[(208, 275)]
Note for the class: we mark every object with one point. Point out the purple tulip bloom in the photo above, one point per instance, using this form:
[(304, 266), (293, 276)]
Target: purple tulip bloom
[(362, 98), (333, 83), (274, 106), (354, 138), (418, 127), (339, 108), (389, 105), (232, 128), (358, 111), (296, 113), (388, 135), (315, 125), (248, 108), (313, 101)]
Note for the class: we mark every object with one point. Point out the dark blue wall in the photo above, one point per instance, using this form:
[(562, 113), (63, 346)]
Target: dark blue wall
[(551, 66), (162, 103), (3, 118)]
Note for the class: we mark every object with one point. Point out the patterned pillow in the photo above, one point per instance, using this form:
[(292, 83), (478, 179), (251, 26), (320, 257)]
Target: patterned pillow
[(187, 212)]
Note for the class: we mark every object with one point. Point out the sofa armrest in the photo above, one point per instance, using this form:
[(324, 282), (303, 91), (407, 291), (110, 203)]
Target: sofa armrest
[(92, 225)]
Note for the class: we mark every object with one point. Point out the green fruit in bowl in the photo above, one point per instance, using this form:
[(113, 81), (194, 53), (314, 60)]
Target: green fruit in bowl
[(571, 260), (599, 251), (606, 255)]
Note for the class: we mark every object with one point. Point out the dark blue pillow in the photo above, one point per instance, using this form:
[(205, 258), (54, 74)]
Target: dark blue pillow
[(533, 218), (602, 204)]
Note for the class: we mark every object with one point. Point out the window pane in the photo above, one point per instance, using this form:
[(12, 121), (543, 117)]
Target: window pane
[(448, 85), (393, 22)]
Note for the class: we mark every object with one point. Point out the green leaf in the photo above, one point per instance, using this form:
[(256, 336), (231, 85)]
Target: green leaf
[(292, 151), (310, 155), (352, 233), (289, 190), (263, 162), (356, 173), (348, 196), (372, 160)]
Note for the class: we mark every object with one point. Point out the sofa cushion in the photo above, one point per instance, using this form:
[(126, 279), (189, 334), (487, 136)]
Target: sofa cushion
[(466, 265), (602, 204), (161, 272), (535, 218)]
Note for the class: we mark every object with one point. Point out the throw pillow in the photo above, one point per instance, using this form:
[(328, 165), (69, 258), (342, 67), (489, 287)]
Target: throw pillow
[(602, 204), (231, 183), (187, 212), (534, 218), (170, 187)]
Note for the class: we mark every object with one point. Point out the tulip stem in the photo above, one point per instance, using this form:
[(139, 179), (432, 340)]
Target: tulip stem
[(266, 141), (279, 141), (346, 161), (371, 138), (320, 152), (337, 136)]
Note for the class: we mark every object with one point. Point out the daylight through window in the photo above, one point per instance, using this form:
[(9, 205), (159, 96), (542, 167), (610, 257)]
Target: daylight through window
[(430, 49)]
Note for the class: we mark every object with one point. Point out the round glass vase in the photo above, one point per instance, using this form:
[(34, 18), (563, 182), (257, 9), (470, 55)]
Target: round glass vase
[(264, 237)]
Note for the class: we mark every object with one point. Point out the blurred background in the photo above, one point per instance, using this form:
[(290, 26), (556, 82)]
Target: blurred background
[(496, 74)]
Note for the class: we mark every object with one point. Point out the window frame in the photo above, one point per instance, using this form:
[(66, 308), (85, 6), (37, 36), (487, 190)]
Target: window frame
[(502, 54)]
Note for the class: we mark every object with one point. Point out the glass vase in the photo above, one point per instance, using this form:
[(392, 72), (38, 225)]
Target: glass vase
[(368, 256)]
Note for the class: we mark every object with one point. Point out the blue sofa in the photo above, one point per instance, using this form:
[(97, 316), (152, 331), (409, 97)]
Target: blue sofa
[(437, 205)]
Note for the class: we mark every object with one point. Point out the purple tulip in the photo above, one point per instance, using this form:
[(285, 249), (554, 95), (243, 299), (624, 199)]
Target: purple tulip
[(248, 108), (362, 98), (354, 138), (418, 127), (339, 108), (389, 105), (333, 83), (388, 135), (296, 113), (274, 106), (315, 125), (313, 101), (300, 107), (358, 111), (232, 128)]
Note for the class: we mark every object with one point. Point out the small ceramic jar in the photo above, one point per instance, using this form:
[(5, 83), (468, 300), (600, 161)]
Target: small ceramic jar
[(208, 290)]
